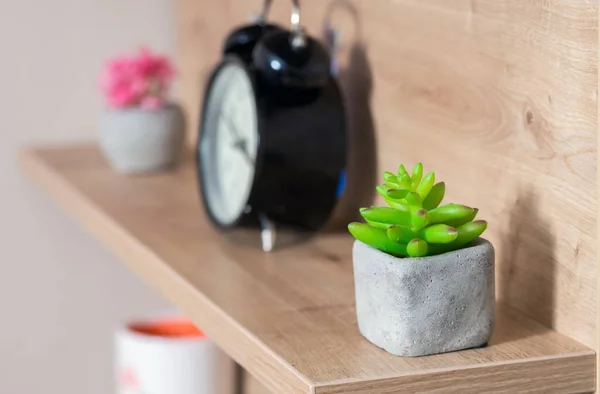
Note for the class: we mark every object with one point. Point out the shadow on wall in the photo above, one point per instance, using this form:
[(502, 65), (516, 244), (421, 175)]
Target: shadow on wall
[(361, 172), (528, 267)]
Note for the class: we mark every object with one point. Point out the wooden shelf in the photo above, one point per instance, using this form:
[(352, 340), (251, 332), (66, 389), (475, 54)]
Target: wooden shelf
[(288, 316)]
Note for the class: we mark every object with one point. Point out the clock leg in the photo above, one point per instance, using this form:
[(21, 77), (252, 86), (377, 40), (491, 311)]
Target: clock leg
[(267, 232)]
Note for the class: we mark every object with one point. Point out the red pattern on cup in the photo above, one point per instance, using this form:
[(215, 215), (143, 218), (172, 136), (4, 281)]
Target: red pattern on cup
[(129, 379)]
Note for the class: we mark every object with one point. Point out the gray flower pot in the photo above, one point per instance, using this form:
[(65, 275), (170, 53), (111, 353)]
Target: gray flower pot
[(136, 141), (428, 305)]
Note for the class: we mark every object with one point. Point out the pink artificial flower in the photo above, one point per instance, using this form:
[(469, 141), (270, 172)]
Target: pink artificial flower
[(153, 65), (122, 96), (139, 85), (142, 80)]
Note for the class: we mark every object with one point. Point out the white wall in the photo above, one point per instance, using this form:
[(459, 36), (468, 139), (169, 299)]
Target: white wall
[(61, 293)]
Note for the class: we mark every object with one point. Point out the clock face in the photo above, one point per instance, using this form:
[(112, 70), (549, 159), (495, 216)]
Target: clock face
[(229, 143)]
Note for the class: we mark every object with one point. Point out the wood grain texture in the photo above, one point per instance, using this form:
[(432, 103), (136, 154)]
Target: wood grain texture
[(499, 97), (287, 317), (251, 385)]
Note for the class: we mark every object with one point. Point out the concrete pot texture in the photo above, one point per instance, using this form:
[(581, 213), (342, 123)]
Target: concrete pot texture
[(137, 141), (427, 305)]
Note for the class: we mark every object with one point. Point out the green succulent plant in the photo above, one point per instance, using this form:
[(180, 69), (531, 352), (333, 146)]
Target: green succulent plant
[(415, 224)]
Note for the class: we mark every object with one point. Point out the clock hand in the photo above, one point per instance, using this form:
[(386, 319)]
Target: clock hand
[(231, 127), (241, 145), (239, 142)]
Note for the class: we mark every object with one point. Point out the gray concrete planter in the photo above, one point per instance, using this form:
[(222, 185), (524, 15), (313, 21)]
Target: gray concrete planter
[(137, 141), (427, 305)]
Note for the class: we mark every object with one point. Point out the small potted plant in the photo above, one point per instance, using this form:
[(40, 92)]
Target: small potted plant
[(141, 131), (424, 279)]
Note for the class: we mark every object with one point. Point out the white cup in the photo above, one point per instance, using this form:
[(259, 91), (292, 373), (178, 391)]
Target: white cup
[(170, 356)]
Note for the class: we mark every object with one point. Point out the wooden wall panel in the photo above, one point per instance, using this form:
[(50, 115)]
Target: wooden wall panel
[(251, 385), (499, 97)]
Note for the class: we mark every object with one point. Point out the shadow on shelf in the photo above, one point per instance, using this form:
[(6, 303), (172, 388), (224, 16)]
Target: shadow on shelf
[(527, 271)]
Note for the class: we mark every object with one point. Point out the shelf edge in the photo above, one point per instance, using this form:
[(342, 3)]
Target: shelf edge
[(272, 371), (568, 373)]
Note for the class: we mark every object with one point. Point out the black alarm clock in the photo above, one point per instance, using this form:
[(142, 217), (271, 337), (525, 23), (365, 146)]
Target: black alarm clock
[(272, 136)]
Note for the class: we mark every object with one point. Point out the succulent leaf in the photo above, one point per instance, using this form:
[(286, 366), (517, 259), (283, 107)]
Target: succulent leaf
[(417, 248), (376, 238), (417, 174), (413, 199), (397, 204), (404, 181), (386, 215), (400, 205), (402, 170), (401, 234), (381, 226), (463, 220), (425, 185), (396, 193), (388, 177), (419, 219), (439, 234), (381, 190), (448, 212), (467, 233), (435, 196)]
